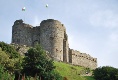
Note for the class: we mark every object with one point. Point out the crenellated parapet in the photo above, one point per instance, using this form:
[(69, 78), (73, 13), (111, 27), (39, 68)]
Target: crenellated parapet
[(82, 59)]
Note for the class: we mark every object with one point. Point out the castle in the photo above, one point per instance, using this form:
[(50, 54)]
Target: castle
[(51, 35)]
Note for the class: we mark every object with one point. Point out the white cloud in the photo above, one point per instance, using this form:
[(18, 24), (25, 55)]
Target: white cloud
[(107, 18)]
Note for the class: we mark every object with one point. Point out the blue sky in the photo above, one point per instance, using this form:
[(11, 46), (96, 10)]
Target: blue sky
[(91, 25)]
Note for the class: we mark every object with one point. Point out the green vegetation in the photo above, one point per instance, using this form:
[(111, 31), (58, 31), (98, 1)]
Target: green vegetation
[(10, 50), (10, 61), (38, 64), (105, 73), (4, 75), (6, 61), (89, 78), (71, 72)]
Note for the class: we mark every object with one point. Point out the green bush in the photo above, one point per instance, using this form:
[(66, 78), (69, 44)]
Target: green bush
[(10, 50), (105, 73), (4, 75), (10, 64)]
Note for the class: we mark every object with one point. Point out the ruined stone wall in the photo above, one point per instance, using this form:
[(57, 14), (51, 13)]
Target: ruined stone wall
[(21, 33), (36, 35), (51, 37), (65, 48), (82, 59), (22, 49)]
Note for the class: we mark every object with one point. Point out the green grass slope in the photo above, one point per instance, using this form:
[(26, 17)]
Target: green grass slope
[(71, 72)]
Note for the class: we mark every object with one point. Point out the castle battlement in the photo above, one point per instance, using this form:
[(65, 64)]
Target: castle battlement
[(20, 22), (51, 35), (82, 59)]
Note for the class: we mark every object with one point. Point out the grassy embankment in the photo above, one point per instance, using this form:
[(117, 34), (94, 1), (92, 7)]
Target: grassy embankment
[(71, 72)]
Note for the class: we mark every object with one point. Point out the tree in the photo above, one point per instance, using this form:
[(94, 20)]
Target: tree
[(105, 73), (10, 50), (4, 58), (37, 63), (10, 60), (4, 75), (9, 64)]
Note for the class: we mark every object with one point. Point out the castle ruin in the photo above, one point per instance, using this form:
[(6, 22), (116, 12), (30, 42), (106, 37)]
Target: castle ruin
[(51, 35)]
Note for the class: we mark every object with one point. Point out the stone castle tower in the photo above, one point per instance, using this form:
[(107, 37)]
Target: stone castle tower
[(51, 35)]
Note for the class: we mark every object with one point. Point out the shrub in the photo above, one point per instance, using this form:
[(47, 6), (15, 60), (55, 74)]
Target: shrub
[(105, 73)]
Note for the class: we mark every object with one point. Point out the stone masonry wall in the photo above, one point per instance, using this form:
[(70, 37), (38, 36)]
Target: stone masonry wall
[(65, 48), (82, 59), (51, 35), (22, 33), (36, 35)]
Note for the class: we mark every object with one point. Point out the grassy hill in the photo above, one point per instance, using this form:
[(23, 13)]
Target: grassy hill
[(71, 72)]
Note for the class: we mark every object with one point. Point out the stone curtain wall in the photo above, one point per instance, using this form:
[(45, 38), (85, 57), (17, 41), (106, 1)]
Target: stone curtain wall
[(36, 35), (82, 59), (22, 33), (51, 35)]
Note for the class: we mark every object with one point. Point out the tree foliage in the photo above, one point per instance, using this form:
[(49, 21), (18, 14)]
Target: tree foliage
[(10, 61), (10, 50), (105, 73), (4, 75), (38, 63)]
